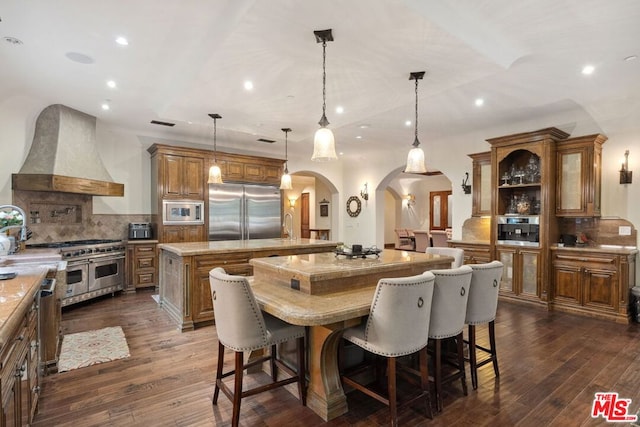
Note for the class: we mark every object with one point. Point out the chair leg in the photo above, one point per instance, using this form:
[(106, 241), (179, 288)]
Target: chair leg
[(492, 342), (424, 379), (391, 389), (237, 391), (302, 369), (437, 375), (216, 390), (463, 376), (274, 367), (472, 357)]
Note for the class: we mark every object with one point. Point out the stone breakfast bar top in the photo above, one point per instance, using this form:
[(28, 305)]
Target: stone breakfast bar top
[(240, 246)]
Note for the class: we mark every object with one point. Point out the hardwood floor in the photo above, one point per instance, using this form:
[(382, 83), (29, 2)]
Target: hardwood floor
[(551, 364)]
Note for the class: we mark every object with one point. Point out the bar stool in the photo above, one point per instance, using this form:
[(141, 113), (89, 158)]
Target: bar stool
[(399, 304), (456, 253), (241, 326), (449, 306), (481, 309)]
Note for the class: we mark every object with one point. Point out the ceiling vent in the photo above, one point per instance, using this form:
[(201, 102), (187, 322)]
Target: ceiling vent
[(158, 122), (269, 141)]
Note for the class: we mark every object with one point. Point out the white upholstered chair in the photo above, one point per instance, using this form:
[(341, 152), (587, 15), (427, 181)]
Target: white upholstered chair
[(448, 311), (481, 309), (399, 304), (242, 327), (456, 253)]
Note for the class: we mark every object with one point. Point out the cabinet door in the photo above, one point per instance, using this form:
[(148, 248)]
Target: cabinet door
[(235, 170), (600, 288), (194, 233), (571, 190), (507, 257), (272, 174), (530, 272), (193, 180), (172, 176), (172, 234), (254, 173), (567, 285), (481, 185)]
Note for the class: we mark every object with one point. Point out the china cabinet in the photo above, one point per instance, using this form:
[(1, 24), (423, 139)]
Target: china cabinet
[(578, 186), (481, 184)]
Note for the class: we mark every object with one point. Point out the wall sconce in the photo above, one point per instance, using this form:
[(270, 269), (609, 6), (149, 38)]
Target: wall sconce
[(364, 193), (292, 202), (465, 184), (411, 199), (625, 173)]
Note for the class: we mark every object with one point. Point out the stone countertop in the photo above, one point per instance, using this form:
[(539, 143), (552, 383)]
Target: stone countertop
[(228, 246), (610, 249), (16, 296), (141, 241), (470, 242)]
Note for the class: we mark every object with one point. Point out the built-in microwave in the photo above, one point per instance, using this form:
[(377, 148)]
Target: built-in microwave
[(521, 230), (182, 212)]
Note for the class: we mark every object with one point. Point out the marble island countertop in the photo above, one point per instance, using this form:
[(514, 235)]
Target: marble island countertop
[(227, 246), (16, 295)]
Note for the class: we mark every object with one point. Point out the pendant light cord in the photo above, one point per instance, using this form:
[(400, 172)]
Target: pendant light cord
[(324, 77), (215, 150), (416, 142), (286, 152)]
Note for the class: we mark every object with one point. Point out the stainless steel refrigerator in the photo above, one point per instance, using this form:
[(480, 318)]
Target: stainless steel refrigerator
[(242, 212)]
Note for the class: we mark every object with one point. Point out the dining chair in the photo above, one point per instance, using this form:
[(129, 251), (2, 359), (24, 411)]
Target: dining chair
[(456, 253), (439, 238), (389, 331), (449, 307), (481, 309), (242, 327)]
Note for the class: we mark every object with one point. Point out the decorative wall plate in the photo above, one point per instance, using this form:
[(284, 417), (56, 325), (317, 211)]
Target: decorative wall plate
[(354, 206)]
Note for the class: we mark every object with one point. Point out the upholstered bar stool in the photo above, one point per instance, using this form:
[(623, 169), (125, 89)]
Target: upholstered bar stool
[(456, 253), (449, 307), (242, 327), (481, 309), (390, 331)]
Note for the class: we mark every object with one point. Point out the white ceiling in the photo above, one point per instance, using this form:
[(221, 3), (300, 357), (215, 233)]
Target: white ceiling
[(190, 58)]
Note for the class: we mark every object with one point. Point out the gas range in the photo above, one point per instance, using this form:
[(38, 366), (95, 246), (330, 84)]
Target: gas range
[(84, 249)]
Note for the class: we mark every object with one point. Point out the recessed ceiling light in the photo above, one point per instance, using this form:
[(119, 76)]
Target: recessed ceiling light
[(339, 109), (80, 58), (122, 41), (341, 153), (111, 84), (359, 137), (12, 40), (479, 102), (248, 85), (588, 70), (631, 58), (365, 126), (105, 106), (407, 123)]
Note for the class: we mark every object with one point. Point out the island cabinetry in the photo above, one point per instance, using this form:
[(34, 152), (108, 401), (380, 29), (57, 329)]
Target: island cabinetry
[(578, 187), (182, 177), (592, 283), (19, 381), (474, 253), (142, 265), (521, 275), (481, 184)]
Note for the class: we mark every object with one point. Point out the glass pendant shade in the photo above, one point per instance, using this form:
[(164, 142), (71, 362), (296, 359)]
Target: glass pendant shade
[(415, 161), (324, 146), (215, 175), (285, 181)]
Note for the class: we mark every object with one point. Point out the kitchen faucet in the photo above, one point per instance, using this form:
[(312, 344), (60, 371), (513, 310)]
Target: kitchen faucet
[(23, 227), (289, 230)]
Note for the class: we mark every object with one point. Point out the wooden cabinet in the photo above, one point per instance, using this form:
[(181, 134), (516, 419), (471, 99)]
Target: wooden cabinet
[(182, 177), (19, 377), (592, 282), (183, 233), (142, 265), (578, 187), (481, 184), (474, 253), (522, 273)]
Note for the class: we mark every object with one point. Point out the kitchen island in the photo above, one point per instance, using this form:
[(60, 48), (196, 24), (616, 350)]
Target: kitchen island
[(329, 293), (184, 271)]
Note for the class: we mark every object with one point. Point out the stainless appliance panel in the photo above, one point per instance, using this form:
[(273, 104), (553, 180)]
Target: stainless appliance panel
[(106, 272), (238, 212), (182, 212), (77, 278)]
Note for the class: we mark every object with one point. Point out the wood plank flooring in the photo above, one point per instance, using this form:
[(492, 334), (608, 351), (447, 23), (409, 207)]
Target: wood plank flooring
[(551, 365)]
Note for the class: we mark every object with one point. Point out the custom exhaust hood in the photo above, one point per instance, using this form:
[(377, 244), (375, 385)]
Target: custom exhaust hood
[(64, 156)]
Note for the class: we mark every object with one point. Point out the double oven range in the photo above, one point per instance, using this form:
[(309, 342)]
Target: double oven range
[(94, 267)]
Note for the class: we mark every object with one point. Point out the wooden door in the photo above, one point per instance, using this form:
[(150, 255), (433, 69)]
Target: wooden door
[(439, 216), (304, 216)]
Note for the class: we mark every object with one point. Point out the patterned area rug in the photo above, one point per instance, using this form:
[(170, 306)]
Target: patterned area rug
[(92, 347)]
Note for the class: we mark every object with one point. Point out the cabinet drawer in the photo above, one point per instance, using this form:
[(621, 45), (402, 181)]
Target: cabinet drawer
[(146, 263), (145, 279), (145, 250), (221, 260)]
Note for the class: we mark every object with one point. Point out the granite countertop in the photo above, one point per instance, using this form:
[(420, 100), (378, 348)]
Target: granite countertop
[(470, 242), (611, 249), (141, 241), (16, 296), (227, 246)]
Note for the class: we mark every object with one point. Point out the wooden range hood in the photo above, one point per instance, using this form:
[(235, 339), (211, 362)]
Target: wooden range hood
[(64, 156)]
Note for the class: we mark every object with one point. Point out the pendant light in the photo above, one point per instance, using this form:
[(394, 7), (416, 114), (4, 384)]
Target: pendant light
[(285, 181), (415, 159), (324, 146), (215, 174)]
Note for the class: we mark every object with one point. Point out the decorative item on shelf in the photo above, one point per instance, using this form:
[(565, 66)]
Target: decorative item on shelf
[(415, 159), (523, 205), (465, 184), (364, 193), (324, 207), (324, 145), (285, 181), (354, 206), (625, 174), (215, 174), (532, 170)]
